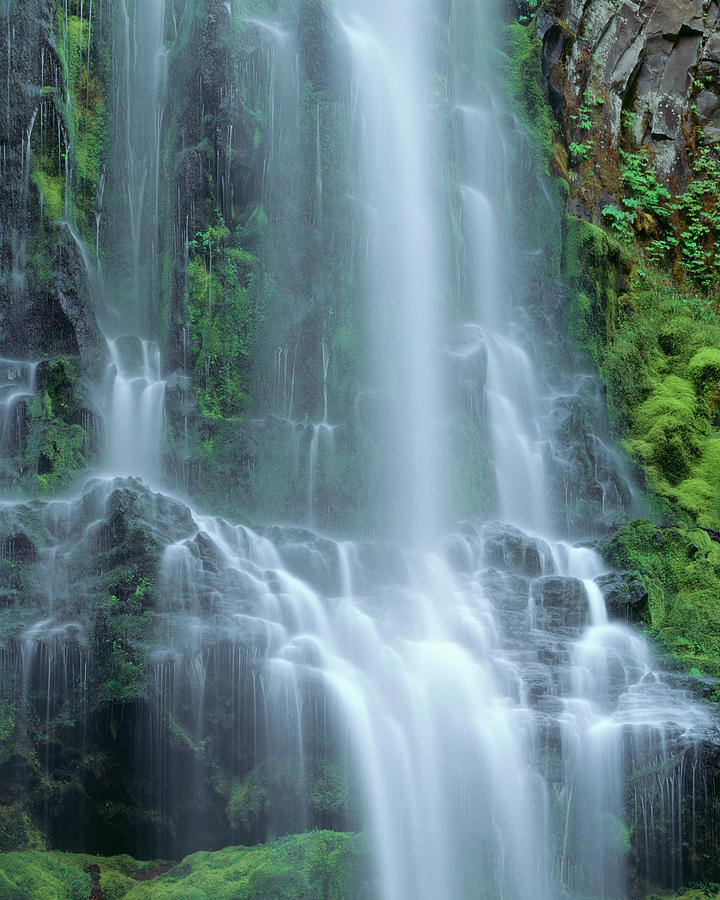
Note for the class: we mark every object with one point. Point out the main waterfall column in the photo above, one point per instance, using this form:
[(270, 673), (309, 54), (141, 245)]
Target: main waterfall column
[(395, 127)]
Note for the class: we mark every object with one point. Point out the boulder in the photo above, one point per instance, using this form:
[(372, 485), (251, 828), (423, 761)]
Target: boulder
[(509, 548), (560, 602), (625, 596)]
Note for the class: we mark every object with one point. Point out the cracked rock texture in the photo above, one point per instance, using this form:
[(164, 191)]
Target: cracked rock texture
[(658, 59)]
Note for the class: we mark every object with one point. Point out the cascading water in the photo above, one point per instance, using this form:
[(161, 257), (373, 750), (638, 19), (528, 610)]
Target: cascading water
[(463, 684), (396, 132)]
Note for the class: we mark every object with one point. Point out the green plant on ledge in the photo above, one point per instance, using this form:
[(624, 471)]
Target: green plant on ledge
[(580, 151), (620, 221)]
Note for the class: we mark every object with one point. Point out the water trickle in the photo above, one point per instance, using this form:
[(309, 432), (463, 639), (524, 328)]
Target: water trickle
[(137, 404), (17, 384)]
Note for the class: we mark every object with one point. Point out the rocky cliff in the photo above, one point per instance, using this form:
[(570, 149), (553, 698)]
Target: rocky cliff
[(656, 62)]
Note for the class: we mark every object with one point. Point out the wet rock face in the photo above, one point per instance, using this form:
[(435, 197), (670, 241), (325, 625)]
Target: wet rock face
[(44, 304), (659, 60), (561, 602), (510, 548), (625, 596)]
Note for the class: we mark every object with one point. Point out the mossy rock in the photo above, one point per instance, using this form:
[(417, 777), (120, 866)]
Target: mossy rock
[(320, 865), (705, 366), (680, 568)]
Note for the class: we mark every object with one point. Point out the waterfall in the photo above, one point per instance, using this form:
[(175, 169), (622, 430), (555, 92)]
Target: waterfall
[(490, 729), (135, 382), (396, 135)]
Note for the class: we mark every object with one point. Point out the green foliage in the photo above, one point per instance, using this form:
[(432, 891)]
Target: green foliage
[(222, 314), (249, 803), (667, 429), (522, 68), (34, 875), (620, 220), (680, 568), (56, 451), (279, 782), (661, 368), (681, 228), (591, 260), (121, 627), (17, 830), (526, 9), (646, 192), (699, 209), (579, 151), (584, 116), (51, 189), (55, 447), (82, 104), (321, 865)]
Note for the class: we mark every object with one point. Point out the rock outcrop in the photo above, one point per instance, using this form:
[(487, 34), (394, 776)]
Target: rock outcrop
[(656, 61)]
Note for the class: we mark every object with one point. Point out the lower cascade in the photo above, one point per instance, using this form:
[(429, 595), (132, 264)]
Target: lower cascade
[(303, 280), (472, 705)]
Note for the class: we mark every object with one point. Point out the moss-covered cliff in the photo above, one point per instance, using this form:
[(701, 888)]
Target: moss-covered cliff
[(630, 134)]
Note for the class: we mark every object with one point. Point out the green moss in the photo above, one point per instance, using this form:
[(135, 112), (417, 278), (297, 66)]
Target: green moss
[(321, 865), (121, 628), (592, 263), (17, 829), (34, 875), (662, 369), (222, 316), (249, 803), (83, 105), (700, 894), (666, 429), (55, 447), (522, 69), (44, 875), (52, 191), (705, 365), (680, 568)]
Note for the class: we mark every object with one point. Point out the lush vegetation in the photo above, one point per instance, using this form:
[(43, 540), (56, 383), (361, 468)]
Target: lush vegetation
[(641, 303), (680, 567), (662, 367), (320, 865), (223, 306), (681, 229)]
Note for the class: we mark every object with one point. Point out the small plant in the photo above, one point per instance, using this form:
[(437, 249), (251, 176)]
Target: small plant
[(583, 118), (640, 179), (628, 119), (619, 220), (579, 151)]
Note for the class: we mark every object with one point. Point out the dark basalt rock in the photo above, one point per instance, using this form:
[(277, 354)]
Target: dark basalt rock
[(18, 548), (647, 57), (510, 548), (207, 551), (625, 596), (560, 602)]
